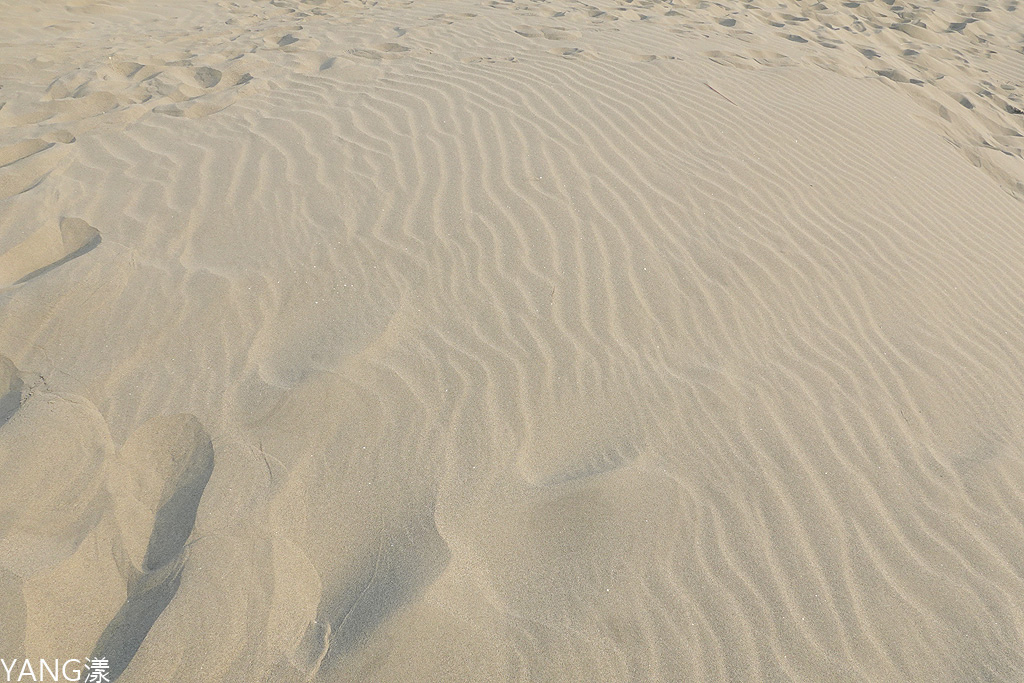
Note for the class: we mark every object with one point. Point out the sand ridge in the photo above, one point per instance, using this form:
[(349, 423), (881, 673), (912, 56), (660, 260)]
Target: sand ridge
[(508, 340)]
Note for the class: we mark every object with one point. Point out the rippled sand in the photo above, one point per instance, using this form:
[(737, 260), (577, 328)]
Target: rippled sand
[(513, 341)]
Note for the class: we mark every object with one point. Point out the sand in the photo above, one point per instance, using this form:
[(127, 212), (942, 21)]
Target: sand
[(469, 340)]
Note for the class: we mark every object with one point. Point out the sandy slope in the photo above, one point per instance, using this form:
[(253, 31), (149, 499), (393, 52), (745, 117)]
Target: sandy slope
[(540, 341)]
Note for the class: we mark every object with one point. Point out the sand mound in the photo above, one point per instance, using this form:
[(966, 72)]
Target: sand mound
[(46, 249)]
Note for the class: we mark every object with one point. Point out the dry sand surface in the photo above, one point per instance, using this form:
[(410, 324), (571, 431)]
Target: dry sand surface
[(473, 340)]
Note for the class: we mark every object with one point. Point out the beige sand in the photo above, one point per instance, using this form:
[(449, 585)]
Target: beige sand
[(513, 341)]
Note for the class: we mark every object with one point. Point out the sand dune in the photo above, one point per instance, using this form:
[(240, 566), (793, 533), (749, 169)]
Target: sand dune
[(507, 340)]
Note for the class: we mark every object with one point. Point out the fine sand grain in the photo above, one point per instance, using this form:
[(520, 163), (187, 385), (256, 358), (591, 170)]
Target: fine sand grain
[(473, 340)]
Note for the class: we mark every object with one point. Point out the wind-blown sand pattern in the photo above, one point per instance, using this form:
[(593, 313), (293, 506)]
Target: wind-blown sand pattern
[(513, 341)]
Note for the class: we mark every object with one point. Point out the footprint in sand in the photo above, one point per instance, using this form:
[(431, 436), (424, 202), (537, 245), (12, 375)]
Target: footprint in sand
[(198, 107), (566, 51), (378, 582), (27, 163), (52, 450), (21, 150), (46, 249), (380, 51), (572, 542), (11, 389), (80, 519), (163, 471), (206, 76), (391, 47), (549, 33)]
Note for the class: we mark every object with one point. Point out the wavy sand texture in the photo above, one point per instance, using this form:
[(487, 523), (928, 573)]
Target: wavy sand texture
[(535, 341)]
